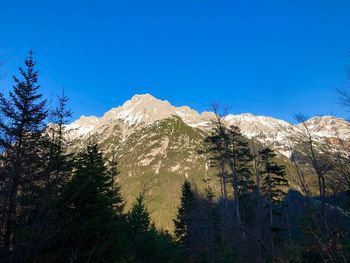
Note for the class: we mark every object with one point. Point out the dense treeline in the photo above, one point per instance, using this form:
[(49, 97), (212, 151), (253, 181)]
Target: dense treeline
[(58, 206)]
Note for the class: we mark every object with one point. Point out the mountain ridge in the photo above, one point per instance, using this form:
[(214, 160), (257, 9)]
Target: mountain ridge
[(144, 109), (158, 145)]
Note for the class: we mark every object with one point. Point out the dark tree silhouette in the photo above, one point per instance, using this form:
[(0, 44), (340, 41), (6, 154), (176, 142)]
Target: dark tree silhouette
[(274, 190), (185, 220), (22, 157)]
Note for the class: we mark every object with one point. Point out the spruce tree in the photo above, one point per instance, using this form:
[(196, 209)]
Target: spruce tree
[(185, 219), (274, 191), (148, 244), (23, 153), (139, 218), (59, 161), (211, 224), (60, 115), (230, 153), (57, 173), (239, 158), (143, 233), (89, 210), (113, 172), (217, 151)]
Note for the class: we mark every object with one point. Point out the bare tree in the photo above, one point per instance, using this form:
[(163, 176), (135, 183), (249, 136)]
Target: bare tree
[(313, 153), (314, 156)]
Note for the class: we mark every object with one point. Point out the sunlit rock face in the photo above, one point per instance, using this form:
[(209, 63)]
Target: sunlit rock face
[(143, 110), (158, 145)]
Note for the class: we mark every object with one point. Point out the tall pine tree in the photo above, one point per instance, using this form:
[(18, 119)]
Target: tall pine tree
[(212, 223), (60, 115), (216, 148), (23, 153), (89, 206), (58, 171), (185, 219), (113, 172), (239, 158), (139, 218), (274, 191)]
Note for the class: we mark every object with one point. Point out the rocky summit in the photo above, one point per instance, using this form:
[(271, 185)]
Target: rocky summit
[(158, 145), (144, 110)]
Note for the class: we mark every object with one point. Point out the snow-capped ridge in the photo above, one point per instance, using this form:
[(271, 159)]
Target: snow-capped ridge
[(144, 109)]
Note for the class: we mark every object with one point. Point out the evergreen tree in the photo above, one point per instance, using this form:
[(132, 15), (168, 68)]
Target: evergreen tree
[(239, 158), (58, 156), (143, 242), (256, 147), (60, 115), (23, 153), (148, 244), (113, 172), (139, 218), (274, 191), (212, 224), (59, 161), (89, 211), (58, 171), (185, 220), (216, 148), (229, 151)]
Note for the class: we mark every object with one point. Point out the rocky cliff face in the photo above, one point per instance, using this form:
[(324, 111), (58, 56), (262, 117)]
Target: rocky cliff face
[(158, 146), (143, 110)]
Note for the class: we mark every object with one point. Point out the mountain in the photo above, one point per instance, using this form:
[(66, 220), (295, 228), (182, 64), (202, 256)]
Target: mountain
[(158, 145), (143, 110)]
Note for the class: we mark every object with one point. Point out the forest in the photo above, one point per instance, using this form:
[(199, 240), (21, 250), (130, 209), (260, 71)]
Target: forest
[(59, 205)]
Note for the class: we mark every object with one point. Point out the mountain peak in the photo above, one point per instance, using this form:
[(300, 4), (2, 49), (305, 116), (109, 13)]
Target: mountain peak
[(145, 109), (144, 99), (145, 96), (141, 108)]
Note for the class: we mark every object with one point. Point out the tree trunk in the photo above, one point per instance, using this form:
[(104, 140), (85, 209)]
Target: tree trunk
[(271, 214)]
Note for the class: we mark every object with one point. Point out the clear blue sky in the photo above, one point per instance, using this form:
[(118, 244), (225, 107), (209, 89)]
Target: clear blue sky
[(272, 58)]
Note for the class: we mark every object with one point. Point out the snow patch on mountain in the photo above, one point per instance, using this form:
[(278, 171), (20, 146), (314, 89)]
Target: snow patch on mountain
[(143, 110)]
